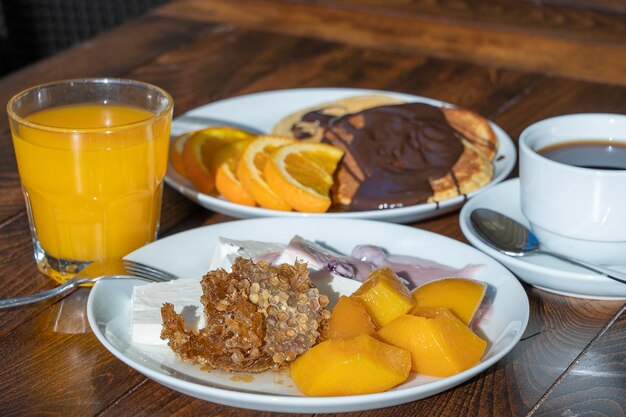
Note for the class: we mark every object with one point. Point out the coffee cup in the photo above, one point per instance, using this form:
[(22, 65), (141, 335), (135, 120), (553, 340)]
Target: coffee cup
[(573, 185)]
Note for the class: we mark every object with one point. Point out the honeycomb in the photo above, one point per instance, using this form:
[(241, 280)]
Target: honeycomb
[(257, 317)]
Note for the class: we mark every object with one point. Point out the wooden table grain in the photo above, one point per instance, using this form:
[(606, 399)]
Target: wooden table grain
[(515, 62)]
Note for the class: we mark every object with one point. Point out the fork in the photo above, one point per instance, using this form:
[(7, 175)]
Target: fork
[(110, 269)]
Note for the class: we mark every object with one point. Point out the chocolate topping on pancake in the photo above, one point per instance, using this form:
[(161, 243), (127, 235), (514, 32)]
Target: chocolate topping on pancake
[(393, 152), (318, 118), (397, 154)]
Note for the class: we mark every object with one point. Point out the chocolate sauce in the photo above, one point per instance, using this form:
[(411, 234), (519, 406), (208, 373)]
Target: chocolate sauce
[(317, 117), (396, 148)]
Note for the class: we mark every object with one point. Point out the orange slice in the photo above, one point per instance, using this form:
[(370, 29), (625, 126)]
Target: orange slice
[(250, 171), (226, 181), (177, 153), (302, 174), (199, 150)]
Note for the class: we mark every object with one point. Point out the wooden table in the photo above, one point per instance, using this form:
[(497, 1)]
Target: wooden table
[(513, 61)]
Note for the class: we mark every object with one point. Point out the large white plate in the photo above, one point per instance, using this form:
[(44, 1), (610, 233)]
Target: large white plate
[(541, 271), (261, 111), (188, 254)]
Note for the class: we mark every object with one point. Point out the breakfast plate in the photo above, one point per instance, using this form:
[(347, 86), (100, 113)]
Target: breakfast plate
[(188, 254), (541, 271), (259, 112)]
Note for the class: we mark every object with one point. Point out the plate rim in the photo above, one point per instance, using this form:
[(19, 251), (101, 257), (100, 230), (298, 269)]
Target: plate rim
[(399, 215), (299, 404)]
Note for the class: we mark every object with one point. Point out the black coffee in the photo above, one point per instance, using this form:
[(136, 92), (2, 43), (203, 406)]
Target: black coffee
[(588, 154)]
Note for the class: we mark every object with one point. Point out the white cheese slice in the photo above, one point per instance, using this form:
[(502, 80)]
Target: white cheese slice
[(227, 250), (146, 308)]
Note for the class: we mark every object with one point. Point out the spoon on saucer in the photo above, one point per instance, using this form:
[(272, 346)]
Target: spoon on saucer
[(514, 239)]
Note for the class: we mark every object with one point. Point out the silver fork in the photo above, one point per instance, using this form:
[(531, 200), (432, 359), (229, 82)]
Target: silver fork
[(111, 269)]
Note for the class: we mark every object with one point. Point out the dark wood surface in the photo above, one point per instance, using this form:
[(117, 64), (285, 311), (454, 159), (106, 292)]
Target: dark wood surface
[(515, 62)]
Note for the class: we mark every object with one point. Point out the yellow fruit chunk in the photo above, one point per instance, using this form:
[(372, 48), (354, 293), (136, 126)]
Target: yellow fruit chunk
[(199, 150), (226, 181), (302, 174), (358, 365), (461, 296), (384, 296), (349, 319), (250, 171), (440, 344), (176, 153)]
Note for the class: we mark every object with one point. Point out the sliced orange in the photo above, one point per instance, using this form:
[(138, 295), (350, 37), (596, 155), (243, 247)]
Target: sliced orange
[(302, 174), (199, 150), (250, 171), (226, 181), (177, 153)]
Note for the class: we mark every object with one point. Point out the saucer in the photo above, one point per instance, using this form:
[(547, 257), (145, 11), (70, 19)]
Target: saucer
[(541, 271)]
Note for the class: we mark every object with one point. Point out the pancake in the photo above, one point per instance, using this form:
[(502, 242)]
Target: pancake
[(310, 130), (474, 128), (398, 154), (472, 171)]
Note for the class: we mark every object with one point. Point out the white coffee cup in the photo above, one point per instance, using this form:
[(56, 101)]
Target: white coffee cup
[(579, 212)]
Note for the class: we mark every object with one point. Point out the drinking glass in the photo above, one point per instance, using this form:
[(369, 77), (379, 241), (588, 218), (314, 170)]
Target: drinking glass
[(91, 155)]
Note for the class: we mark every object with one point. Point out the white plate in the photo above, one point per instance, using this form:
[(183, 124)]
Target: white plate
[(261, 111), (541, 271), (188, 254)]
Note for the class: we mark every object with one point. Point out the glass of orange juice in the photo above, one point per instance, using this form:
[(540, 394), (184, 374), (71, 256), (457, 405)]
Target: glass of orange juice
[(91, 155)]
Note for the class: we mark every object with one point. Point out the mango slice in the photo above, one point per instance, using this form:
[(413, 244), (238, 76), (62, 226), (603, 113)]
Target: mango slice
[(462, 296), (353, 366), (384, 296), (440, 344), (349, 319)]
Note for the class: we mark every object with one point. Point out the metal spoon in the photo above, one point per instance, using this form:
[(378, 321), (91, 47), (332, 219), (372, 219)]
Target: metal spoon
[(511, 238)]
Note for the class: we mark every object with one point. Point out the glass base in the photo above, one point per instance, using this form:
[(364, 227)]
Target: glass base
[(59, 269)]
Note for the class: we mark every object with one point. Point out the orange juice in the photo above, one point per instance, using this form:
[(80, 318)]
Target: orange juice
[(93, 178)]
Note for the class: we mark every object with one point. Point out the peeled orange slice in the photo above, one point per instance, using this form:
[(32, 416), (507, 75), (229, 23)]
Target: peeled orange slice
[(302, 174), (226, 181), (177, 153), (199, 150), (250, 171)]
